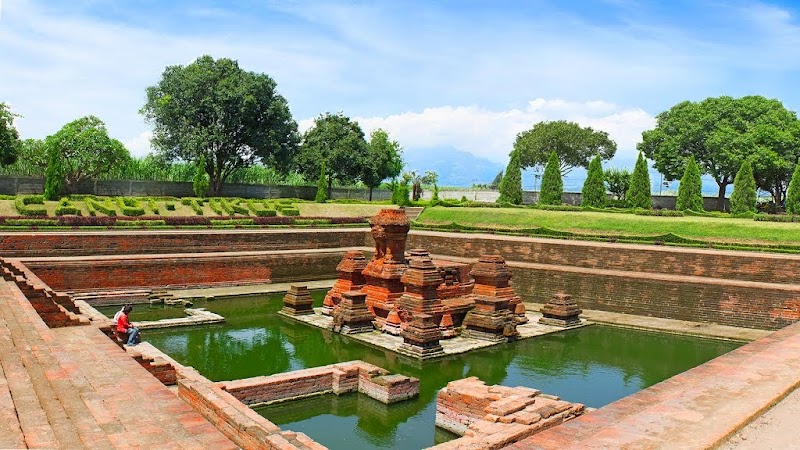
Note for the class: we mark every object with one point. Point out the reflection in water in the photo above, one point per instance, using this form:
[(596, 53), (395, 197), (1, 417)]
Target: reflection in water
[(593, 365)]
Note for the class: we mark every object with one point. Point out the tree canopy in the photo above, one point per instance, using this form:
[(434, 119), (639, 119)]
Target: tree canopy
[(337, 142), (79, 151), (721, 133), (574, 145), (384, 160), (9, 136), (232, 117), (618, 181)]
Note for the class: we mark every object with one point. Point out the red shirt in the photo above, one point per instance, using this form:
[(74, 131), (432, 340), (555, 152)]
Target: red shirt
[(122, 323)]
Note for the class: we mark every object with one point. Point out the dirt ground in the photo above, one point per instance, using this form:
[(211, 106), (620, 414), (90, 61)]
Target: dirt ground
[(778, 428)]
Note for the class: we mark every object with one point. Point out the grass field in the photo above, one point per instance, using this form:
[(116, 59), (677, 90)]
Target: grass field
[(705, 228)]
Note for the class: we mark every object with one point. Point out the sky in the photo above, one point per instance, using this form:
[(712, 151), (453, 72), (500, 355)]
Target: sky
[(442, 77)]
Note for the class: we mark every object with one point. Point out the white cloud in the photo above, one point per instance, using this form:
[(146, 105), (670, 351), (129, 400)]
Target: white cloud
[(491, 134), (139, 145)]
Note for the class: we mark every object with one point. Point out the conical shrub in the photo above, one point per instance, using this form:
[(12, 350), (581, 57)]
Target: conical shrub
[(639, 192), (743, 197), (552, 186), (594, 188), (690, 195)]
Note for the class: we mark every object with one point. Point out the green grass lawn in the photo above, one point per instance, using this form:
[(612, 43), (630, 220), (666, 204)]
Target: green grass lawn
[(704, 228), (340, 209)]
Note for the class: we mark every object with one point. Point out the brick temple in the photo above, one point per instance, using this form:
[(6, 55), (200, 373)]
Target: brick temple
[(401, 286)]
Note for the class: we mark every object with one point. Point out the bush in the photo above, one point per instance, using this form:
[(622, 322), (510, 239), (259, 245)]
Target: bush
[(140, 223), (217, 222), (552, 185), (400, 194), (196, 206), (776, 218), (200, 182), (151, 203), (104, 207), (511, 183), (290, 212), (130, 206), (743, 197), (24, 210), (7, 197), (594, 188), (793, 194), (216, 207), (31, 222), (322, 186), (557, 207), (67, 209), (658, 212), (690, 196), (639, 193), (239, 209), (169, 206), (33, 200), (311, 221), (258, 208)]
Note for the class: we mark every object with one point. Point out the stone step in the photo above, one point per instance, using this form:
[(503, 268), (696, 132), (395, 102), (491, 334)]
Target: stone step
[(413, 212)]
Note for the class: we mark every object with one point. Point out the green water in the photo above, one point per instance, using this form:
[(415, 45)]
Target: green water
[(594, 365), (146, 312)]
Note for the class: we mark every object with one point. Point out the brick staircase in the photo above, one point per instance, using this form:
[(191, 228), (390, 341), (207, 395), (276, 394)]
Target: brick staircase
[(72, 387), (413, 212)]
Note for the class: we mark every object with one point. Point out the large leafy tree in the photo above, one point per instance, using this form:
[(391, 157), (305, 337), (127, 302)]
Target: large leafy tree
[(574, 145), (384, 160), (552, 185), (721, 132), (79, 151), (337, 142), (511, 183), (690, 194), (618, 182), (231, 117), (594, 189), (638, 195), (9, 136)]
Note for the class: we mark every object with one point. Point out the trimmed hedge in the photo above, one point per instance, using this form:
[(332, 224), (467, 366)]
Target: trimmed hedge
[(31, 222), (21, 205), (217, 222), (130, 206), (104, 207), (658, 212)]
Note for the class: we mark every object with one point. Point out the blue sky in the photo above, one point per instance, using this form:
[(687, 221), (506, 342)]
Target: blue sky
[(438, 75)]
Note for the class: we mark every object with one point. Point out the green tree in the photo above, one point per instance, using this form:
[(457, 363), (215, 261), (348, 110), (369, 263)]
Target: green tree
[(79, 151), (575, 146), (721, 132), (743, 197), (400, 193), (232, 117), (339, 144), (511, 183), (638, 195), (200, 183), (618, 181), (9, 136), (384, 160), (793, 195), (594, 189), (322, 187), (417, 179), (552, 186), (497, 180), (690, 195)]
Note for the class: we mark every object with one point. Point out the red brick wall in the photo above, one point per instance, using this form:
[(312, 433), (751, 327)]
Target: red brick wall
[(746, 266), (81, 243), (188, 270)]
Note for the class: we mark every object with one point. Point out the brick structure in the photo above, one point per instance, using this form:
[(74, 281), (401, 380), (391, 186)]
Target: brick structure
[(421, 280), (421, 338), (490, 320), (349, 278), (561, 311), (351, 314), (384, 271), (341, 378), (492, 277), (491, 417), (298, 301)]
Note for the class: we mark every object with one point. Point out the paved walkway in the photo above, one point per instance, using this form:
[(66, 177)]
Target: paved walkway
[(699, 408), (74, 388)]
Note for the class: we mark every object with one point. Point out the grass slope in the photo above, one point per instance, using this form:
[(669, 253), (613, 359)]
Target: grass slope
[(707, 228)]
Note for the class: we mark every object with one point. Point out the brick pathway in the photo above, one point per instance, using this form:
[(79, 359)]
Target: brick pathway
[(699, 408), (74, 388)]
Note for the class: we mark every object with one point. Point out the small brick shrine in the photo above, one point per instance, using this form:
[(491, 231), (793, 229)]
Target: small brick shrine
[(561, 311), (420, 298)]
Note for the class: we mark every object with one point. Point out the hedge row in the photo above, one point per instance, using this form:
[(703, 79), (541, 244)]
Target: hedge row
[(101, 221)]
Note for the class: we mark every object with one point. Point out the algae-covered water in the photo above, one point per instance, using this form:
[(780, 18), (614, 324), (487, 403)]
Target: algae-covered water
[(593, 365)]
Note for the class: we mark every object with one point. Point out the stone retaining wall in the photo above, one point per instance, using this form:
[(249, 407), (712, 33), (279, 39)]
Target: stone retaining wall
[(336, 378), (189, 270)]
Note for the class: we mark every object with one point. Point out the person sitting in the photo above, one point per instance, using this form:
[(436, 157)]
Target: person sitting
[(125, 330), (117, 314)]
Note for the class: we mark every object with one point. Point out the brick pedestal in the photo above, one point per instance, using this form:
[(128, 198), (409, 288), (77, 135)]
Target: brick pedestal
[(492, 279), (421, 338), (298, 301), (561, 311), (490, 320), (350, 279), (351, 315)]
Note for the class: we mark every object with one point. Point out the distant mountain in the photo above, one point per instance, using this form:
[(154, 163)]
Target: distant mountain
[(455, 167)]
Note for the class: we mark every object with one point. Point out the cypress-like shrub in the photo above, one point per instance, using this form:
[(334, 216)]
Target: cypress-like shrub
[(511, 183), (322, 186), (690, 195), (594, 188), (200, 182), (552, 186), (793, 194), (639, 193), (743, 197)]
